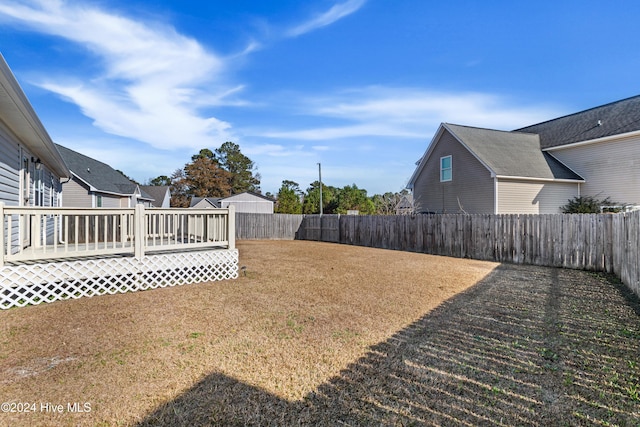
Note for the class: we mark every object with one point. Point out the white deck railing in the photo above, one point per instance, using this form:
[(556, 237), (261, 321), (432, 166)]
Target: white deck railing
[(40, 233)]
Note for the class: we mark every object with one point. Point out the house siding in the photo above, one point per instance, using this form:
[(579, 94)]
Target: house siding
[(531, 197), (248, 203), (11, 153), (9, 167), (470, 190), (610, 168), (110, 201), (76, 195)]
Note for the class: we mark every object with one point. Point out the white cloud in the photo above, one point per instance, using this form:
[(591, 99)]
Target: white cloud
[(337, 12), (321, 147), (276, 150), (153, 80), (407, 113)]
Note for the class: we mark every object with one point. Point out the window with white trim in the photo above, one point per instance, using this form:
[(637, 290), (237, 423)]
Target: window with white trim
[(445, 169)]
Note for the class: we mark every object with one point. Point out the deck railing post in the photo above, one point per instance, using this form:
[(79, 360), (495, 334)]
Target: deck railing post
[(231, 231), (139, 231), (2, 248)]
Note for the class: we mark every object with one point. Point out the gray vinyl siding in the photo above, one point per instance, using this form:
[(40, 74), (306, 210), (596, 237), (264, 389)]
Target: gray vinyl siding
[(531, 197), (10, 176), (10, 191), (75, 195), (610, 168), (470, 189), (9, 168)]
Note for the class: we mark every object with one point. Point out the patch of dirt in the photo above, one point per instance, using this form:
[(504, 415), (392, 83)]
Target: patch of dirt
[(33, 367)]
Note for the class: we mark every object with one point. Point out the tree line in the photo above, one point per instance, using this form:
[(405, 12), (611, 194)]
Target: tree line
[(226, 171), (220, 173), (292, 200)]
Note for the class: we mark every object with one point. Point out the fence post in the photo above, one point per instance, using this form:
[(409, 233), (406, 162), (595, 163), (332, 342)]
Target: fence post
[(231, 232), (2, 248), (138, 231)]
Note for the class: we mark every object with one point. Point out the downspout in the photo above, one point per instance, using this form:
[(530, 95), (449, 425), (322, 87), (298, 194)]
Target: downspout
[(495, 195)]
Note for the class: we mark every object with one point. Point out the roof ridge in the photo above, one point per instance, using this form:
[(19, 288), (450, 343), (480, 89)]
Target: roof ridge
[(608, 104), (489, 129)]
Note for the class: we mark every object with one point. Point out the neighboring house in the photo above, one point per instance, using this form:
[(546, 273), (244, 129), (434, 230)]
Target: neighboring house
[(249, 202), (97, 185), (161, 195), (205, 202), (536, 169), (405, 205)]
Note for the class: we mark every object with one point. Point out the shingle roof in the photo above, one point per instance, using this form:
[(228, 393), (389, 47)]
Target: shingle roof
[(158, 192), (514, 154), (606, 120), (99, 175)]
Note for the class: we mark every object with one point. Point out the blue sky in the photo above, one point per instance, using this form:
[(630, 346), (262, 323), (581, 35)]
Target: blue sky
[(359, 86)]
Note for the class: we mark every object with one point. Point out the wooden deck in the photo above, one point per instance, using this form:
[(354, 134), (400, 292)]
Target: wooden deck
[(75, 253)]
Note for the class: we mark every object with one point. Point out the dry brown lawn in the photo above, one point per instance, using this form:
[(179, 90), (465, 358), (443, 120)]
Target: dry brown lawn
[(324, 334)]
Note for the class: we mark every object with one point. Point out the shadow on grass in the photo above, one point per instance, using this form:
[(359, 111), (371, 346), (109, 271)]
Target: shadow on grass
[(525, 346)]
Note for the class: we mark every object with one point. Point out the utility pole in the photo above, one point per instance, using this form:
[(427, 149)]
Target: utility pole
[(320, 178)]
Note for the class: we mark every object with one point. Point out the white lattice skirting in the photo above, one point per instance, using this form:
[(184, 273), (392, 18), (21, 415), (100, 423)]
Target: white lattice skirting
[(27, 284)]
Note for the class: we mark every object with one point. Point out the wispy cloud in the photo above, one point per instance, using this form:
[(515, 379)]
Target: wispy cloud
[(407, 113), (152, 81), (337, 12)]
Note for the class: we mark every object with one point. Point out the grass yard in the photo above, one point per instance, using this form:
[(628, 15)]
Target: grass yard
[(323, 334)]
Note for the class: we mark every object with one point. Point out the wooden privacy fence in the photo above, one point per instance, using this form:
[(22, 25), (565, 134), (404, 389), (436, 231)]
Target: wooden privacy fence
[(252, 226), (597, 242)]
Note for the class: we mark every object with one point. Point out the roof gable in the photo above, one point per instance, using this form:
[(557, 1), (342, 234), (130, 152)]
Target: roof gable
[(100, 176), (159, 193), (214, 202), (511, 154), (615, 118), (503, 153), (250, 194)]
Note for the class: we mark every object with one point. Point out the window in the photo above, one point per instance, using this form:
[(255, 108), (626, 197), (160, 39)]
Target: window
[(98, 201), (445, 169)]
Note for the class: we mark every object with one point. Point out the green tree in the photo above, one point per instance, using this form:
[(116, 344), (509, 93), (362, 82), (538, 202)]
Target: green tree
[(160, 180), (354, 198), (204, 153), (288, 200), (588, 204), (311, 204), (241, 168)]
